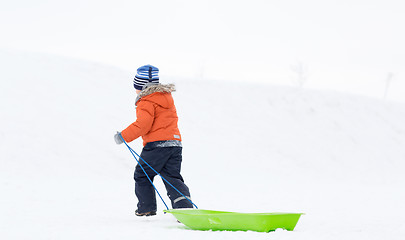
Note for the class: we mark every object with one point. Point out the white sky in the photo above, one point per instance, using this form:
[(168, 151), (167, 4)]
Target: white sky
[(348, 45)]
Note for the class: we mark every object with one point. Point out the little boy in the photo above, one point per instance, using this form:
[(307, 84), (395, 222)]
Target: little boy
[(156, 123)]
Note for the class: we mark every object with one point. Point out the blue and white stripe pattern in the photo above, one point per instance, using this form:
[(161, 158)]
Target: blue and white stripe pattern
[(146, 74)]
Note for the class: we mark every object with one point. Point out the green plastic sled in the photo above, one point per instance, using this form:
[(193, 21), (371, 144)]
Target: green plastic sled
[(197, 219)]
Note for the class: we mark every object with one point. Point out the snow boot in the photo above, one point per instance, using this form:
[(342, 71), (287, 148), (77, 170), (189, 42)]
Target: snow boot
[(146, 214)]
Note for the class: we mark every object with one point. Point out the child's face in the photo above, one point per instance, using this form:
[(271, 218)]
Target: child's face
[(137, 91)]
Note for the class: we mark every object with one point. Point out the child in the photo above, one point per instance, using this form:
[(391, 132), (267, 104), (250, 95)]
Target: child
[(156, 123)]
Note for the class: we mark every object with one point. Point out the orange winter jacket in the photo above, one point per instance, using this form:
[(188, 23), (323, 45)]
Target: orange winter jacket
[(156, 116)]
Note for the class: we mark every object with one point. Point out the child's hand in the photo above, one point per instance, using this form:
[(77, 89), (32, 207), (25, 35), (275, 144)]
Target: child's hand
[(118, 138)]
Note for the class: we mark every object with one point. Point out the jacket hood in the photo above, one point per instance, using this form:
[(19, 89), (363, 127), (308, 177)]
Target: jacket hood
[(164, 100)]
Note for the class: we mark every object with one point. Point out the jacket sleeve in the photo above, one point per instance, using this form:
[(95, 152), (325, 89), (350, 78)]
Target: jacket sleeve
[(145, 113)]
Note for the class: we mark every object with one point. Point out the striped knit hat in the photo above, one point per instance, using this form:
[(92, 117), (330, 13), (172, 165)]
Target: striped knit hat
[(144, 75)]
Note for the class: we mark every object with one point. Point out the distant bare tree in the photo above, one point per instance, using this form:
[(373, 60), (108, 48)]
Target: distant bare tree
[(301, 72), (388, 80)]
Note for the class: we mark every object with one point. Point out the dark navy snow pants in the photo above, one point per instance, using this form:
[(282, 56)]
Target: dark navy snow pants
[(167, 162)]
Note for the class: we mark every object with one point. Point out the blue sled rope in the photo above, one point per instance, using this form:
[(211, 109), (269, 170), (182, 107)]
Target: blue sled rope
[(137, 157)]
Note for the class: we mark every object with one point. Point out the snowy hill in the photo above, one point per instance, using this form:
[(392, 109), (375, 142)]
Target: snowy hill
[(338, 158)]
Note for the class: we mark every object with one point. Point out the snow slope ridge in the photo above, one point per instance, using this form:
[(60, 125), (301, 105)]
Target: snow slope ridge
[(339, 158)]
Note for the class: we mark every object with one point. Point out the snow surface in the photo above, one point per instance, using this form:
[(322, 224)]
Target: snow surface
[(251, 148)]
